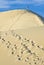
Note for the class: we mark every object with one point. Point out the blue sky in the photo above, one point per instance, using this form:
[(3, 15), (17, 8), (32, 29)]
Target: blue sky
[(34, 5)]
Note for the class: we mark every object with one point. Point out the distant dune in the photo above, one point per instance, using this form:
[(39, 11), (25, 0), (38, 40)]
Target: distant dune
[(16, 19)]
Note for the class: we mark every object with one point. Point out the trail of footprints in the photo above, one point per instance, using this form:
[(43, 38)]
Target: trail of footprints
[(24, 49)]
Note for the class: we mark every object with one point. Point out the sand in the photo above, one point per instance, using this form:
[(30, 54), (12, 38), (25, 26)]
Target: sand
[(21, 39), (19, 19)]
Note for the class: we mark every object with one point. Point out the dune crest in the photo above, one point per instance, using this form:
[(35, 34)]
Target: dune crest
[(18, 19), (21, 38)]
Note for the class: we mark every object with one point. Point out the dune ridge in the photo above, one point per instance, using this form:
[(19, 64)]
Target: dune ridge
[(21, 38), (16, 19)]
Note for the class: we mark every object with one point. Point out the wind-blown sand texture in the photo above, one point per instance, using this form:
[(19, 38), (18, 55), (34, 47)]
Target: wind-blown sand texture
[(21, 38), (18, 19)]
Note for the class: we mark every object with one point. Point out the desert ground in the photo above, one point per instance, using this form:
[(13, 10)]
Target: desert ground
[(21, 38)]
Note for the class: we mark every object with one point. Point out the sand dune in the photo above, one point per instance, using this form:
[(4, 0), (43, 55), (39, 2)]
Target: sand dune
[(21, 38), (19, 19), (14, 41), (35, 33)]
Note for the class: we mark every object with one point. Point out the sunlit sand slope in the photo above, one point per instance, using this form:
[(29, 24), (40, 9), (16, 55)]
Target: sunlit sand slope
[(18, 19), (22, 47), (35, 33)]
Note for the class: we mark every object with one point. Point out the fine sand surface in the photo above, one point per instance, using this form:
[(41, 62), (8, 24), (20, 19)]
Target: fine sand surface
[(21, 38), (19, 19), (10, 54)]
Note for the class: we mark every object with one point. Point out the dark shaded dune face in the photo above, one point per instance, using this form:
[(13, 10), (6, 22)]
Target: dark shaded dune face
[(19, 19), (42, 18)]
